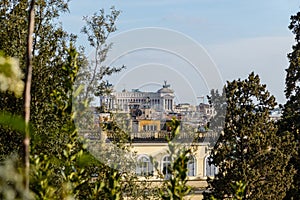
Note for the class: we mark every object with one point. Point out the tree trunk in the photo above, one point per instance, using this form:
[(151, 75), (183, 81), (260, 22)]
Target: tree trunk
[(27, 96)]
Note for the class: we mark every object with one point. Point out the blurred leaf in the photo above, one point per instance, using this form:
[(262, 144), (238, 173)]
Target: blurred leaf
[(14, 122)]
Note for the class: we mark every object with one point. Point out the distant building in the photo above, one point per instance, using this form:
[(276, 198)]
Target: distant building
[(162, 100), (206, 109), (147, 117), (184, 107)]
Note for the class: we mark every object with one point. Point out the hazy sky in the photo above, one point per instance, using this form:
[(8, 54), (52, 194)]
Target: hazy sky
[(237, 36)]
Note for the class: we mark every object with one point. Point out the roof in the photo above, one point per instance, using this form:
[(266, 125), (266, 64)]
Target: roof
[(165, 90)]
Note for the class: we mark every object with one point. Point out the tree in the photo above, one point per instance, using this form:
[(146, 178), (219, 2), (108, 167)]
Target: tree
[(27, 93), (51, 89), (98, 28), (176, 177), (11, 180), (50, 45), (249, 149), (216, 124), (58, 158), (291, 109), (13, 44)]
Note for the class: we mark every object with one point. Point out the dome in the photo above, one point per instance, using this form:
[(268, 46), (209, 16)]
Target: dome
[(165, 89)]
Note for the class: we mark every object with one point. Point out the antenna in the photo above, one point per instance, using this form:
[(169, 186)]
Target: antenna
[(202, 97)]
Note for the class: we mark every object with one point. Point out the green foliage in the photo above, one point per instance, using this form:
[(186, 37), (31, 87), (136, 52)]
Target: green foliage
[(175, 184), (239, 191), (249, 149), (49, 54), (14, 122), (11, 123), (239, 188), (11, 181), (217, 122), (11, 81), (289, 124), (42, 179), (10, 75), (109, 187), (60, 176), (98, 28), (252, 155), (61, 166)]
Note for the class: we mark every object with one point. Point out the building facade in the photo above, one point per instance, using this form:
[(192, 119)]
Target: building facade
[(162, 100), (148, 117)]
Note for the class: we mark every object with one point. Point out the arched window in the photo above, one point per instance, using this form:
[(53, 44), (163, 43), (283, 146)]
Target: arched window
[(166, 163), (191, 166), (144, 166), (210, 169)]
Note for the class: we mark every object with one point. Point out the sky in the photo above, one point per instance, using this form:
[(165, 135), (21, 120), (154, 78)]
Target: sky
[(194, 44)]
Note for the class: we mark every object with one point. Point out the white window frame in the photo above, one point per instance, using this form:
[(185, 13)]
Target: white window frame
[(144, 166), (192, 166), (165, 163)]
